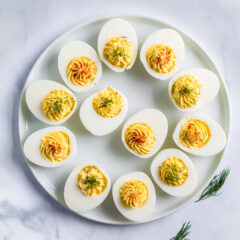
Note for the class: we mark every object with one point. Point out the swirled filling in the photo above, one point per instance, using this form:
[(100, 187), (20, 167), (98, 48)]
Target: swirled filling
[(118, 51), (81, 71), (55, 147), (140, 138), (194, 134), (161, 58), (186, 91), (134, 194), (108, 103), (91, 181), (57, 105), (173, 171)]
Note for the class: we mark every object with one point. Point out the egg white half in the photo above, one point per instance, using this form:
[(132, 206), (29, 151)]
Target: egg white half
[(216, 142), (117, 27), (210, 87), (31, 147), (178, 191), (167, 37), (96, 124), (36, 92), (75, 199), (136, 214), (157, 121), (75, 49)]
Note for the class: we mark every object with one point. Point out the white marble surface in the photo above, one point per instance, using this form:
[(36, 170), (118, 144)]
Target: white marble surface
[(27, 28)]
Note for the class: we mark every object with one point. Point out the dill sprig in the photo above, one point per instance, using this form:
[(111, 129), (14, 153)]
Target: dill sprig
[(91, 182), (186, 91), (105, 103), (183, 232), (57, 105), (172, 174), (215, 185), (118, 52)]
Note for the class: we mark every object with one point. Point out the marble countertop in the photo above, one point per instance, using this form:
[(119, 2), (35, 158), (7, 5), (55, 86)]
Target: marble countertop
[(27, 28)]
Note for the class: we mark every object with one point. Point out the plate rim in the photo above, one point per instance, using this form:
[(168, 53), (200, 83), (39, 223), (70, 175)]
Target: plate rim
[(142, 17)]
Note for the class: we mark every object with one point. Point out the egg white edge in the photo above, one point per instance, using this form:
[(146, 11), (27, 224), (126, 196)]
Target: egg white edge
[(35, 147), (103, 122), (137, 214), (178, 191), (195, 72), (90, 53), (159, 138), (41, 93), (179, 57), (217, 134), (79, 198), (133, 40)]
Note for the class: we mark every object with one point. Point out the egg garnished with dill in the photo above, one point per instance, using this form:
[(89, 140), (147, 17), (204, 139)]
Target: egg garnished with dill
[(192, 89), (118, 45), (50, 102), (174, 172), (86, 187), (104, 111)]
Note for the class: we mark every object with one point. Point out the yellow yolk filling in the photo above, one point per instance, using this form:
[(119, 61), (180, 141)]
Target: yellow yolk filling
[(56, 146), (194, 134), (91, 181), (140, 138), (57, 105), (81, 71), (161, 58), (186, 91), (108, 103), (173, 171), (134, 193), (118, 51)]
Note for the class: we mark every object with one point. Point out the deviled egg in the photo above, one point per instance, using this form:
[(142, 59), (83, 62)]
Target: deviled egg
[(104, 111), (162, 53), (134, 195), (79, 66), (118, 45), (199, 135), (193, 89), (145, 132), (86, 187), (50, 102), (50, 147), (174, 172)]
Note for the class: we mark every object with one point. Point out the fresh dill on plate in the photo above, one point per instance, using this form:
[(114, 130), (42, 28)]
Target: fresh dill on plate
[(183, 232), (215, 185)]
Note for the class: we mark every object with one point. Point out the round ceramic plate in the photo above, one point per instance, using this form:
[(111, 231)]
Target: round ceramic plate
[(142, 91)]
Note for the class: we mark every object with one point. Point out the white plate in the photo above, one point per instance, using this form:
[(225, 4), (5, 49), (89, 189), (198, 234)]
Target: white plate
[(142, 91)]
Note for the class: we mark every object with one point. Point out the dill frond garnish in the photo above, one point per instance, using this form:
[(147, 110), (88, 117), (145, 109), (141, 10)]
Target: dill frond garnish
[(57, 106), (186, 91), (105, 103), (183, 232), (58, 102), (215, 185), (91, 182), (118, 52)]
